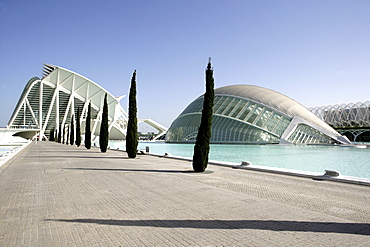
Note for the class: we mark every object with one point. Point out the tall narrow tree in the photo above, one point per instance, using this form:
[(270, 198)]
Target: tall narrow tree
[(60, 134), (67, 134), (52, 136), (104, 127), (201, 148), (78, 128), (64, 134), (132, 134), (88, 128), (72, 132)]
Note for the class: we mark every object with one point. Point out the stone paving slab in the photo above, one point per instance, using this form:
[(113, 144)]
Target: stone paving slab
[(57, 195)]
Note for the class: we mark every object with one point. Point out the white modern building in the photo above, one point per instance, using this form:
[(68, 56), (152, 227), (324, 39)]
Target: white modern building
[(246, 114), (48, 105)]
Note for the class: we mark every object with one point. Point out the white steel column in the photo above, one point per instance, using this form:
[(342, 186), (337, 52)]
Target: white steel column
[(57, 123), (73, 106), (24, 113), (40, 112)]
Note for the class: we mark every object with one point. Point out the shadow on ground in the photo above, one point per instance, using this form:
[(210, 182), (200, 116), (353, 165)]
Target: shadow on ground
[(271, 225), (78, 157), (138, 170)]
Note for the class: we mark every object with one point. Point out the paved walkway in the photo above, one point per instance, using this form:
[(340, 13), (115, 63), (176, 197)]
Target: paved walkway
[(57, 195)]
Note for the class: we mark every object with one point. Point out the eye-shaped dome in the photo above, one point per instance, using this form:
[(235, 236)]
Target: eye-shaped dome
[(249, 114), (274, 100)]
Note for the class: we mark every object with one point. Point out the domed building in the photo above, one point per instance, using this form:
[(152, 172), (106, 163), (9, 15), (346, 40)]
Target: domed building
[(246, 114)]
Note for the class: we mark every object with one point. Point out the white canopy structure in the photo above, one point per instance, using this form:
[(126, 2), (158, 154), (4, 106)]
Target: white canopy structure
[(353, 118), (51, 103), (345, 115)]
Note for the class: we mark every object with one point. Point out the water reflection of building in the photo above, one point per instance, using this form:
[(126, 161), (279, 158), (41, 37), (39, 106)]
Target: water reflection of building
[(248, 114), (352, 120)]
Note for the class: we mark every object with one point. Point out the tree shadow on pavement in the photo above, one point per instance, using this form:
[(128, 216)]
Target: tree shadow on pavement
[(271, 225), (130, 170), (77, 157)]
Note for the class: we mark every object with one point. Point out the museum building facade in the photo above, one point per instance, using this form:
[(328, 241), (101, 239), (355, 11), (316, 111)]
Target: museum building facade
[(246, 114)]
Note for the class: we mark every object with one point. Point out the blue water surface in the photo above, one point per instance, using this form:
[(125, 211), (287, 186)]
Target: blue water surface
[(314, 158), (4, 149)]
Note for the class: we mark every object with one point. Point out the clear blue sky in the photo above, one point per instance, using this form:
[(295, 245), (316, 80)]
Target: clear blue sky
[(314, 51)]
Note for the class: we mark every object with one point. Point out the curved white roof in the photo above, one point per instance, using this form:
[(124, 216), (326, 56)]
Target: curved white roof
[(63, 92), (274, 100)]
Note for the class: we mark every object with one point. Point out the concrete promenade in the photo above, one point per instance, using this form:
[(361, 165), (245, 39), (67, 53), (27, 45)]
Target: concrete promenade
[(57, 195)]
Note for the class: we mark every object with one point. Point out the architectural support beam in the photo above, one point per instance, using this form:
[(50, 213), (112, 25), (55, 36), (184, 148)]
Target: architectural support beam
[(41, 135), (32, 113)]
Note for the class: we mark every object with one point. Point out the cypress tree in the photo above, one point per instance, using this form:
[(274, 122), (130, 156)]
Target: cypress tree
[(78, 128), (60, 134), (132, 134), (52, 138), (63, 134), (72, 132), (67, 134), (104, 128), (201, 148), (88, 128)]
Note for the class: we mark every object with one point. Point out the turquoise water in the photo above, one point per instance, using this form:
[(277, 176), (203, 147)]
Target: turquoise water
[(348, 160), (4, 149)]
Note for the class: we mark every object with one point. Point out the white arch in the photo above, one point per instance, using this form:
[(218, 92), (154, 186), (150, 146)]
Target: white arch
[(49, 103)]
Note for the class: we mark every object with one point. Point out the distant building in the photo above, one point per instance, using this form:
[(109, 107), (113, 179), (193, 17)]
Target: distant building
[(245, 114), (352, 119)]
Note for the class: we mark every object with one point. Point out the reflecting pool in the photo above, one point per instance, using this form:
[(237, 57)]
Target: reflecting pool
[(349, 161)]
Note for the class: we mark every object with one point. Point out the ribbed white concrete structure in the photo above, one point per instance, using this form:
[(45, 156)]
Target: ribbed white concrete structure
[(350, 118), (345, 115), (51, 103)]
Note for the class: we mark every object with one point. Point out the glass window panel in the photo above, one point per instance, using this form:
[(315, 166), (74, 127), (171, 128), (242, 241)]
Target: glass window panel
[(226, 102), (243, 105), (218, 102), (238, 108), (195, 106), (281, 127), (273, 121), (255, 114), (246, 110), (229, 108), (263, 117)]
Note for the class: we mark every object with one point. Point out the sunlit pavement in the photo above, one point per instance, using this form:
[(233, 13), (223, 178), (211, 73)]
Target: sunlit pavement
[(58, 195)]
